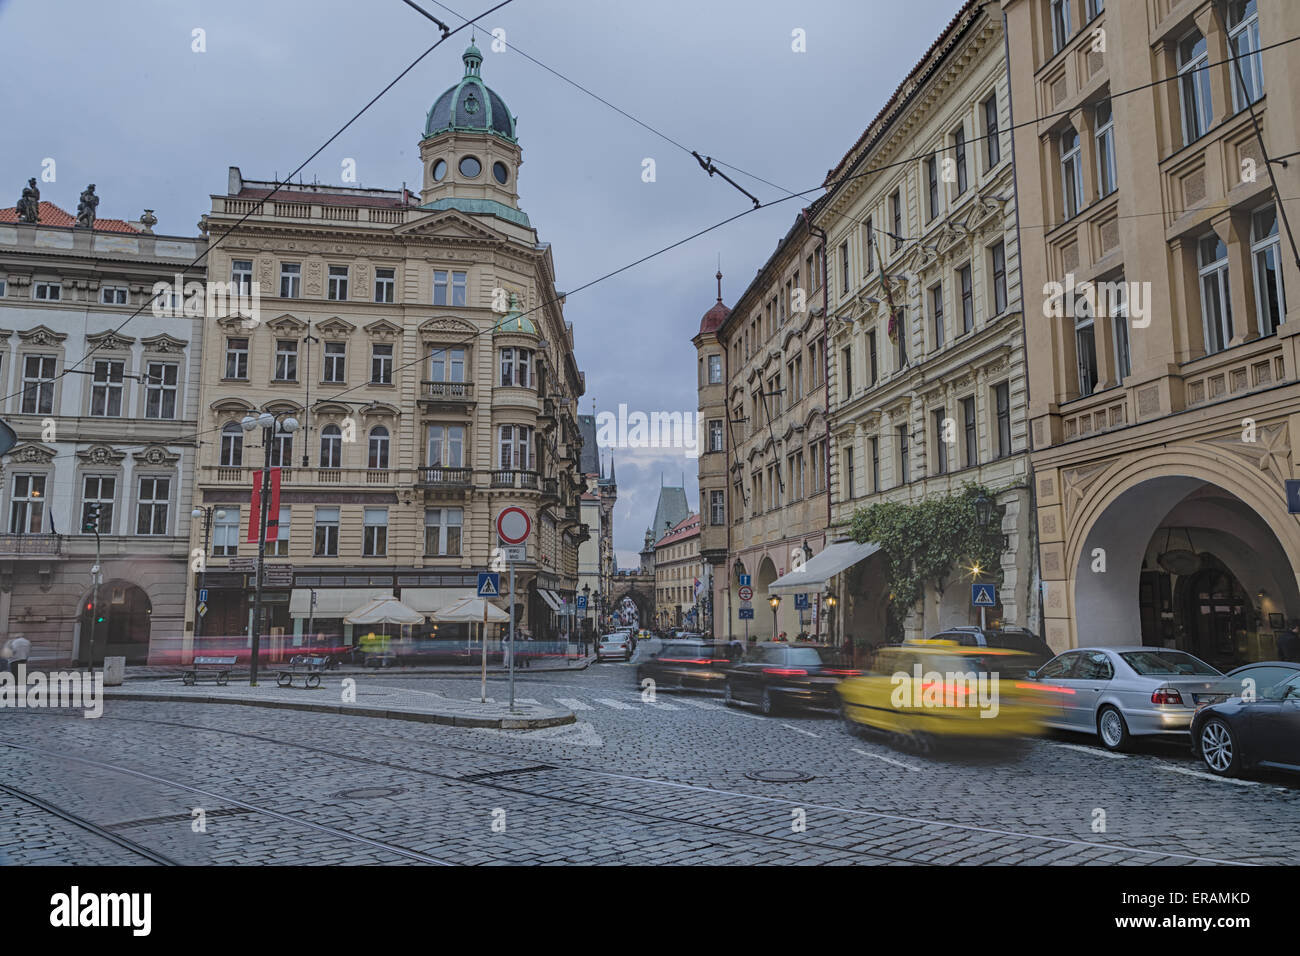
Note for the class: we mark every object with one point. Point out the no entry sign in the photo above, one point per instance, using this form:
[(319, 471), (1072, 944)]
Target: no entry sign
[(514, 525), (746, 593)]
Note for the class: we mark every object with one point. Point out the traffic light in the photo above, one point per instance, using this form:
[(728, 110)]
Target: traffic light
[(90, 609), (91, 523)]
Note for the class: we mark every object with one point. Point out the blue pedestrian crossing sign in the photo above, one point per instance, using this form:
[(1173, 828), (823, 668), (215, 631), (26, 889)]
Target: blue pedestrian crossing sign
[(746, 613), (981, 595), (489, 584)]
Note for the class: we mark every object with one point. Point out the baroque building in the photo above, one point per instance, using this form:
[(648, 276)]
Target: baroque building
[(420, 346)]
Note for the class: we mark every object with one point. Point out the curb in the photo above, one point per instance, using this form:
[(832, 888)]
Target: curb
[(396, 672), (352, 710)]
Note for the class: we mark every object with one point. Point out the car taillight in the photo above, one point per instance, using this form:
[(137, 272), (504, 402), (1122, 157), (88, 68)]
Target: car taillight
[(785, 671), (841, 671), (1166, 695)]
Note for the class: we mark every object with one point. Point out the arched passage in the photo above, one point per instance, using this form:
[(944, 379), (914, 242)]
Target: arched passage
[(119, 624), (762, 609), (645, 612)]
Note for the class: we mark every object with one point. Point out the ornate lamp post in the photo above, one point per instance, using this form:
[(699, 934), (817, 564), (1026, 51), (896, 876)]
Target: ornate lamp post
[(983, 511), (775, 601), (586, 608), (206, 514), (270, 425)]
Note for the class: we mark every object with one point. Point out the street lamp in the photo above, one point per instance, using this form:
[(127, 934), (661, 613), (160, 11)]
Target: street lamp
[(206, 514), (775, 601), (586, 607), (270, 424), (807, 551), (983, 510)]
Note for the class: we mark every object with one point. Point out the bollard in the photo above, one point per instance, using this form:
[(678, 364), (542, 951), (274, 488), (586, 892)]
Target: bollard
[(114, 671)]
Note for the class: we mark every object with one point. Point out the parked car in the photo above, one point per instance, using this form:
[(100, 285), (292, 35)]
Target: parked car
[(1011, 651), (686, 664), (1119, 693), (613, 647), (1249, 680), (1261, 729), (777, 675)]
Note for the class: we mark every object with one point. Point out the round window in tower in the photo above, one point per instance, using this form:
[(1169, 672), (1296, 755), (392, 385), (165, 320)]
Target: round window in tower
[(439, 170), (500, 172), (470, 167)]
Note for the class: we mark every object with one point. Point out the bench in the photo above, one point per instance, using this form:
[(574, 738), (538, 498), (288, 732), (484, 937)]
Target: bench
[(216, 667), (306, 666)]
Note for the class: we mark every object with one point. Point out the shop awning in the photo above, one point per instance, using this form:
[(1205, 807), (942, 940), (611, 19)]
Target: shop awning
[(429, 600), (550, 598), (332, 602), (821, 567)]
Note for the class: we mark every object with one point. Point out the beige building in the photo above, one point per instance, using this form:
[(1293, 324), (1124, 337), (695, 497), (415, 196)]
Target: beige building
[(1165, 416), (419, 344), (596, 552), (926, 350), (679, 575)]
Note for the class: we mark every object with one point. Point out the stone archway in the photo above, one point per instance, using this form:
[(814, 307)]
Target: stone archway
[(120, 624), (762, 610), (645, 609)]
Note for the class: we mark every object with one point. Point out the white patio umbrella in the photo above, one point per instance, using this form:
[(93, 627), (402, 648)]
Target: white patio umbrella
[(388, 610), (473, 610)]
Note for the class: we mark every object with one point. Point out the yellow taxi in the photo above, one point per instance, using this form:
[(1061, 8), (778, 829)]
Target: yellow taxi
[(926, 691)]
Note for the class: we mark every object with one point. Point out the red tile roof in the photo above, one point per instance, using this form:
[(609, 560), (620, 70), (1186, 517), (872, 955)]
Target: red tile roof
[(714, 318), (686, 528), (51, 215)]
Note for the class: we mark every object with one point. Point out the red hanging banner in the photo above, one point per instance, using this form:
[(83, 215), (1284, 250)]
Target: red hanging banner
[(255, 508), (273, 512)]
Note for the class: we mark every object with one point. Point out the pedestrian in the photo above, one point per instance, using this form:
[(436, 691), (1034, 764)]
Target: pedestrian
[(1288, 644), (16, 651)]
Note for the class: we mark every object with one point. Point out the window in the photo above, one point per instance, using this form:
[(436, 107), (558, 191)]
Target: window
[(1062, 23), (290, 280), (286, 360), (338, 283), (937, 418), (336, 360), (160, 389), (932, 181), (896, 217), (965, 283), (849, 490), (796, 476), (98, 490), (844, 268), (1085, 347), (1002, 399), (869, 247), (1105, 135), (971, 435), (715, 369), (448, 365), (381, 364), (1194, 86), (904, 455), (112, 295), (1216, 301), (1071, 173), (385, 284), (717, 509), (327, 533), (38, 384), (47, 291), (1265, 250), (516, 367), (446, 447), (936, 314), (872, 361), (1119, 326), (280, 546), (515, 448), (2, 287), (449, 287), (27, 509), (900, 339), (846, 365), (374, 533), (998, 254), (151, 505), (1243, 37), (442, 531), (874, 443), (241, 275), (232, 445), (237, 358), (757, 482), (331, 447), (715, 434), (992, 142), (225, 531), (959, 148), (377, 460), (282, 448), (774, 387), (106, 389)]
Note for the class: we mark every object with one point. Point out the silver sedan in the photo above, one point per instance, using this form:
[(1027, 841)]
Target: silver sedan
[(1119, 693)]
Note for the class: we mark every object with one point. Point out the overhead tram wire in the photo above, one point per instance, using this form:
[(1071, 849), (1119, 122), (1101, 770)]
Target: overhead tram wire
[(278, 186)]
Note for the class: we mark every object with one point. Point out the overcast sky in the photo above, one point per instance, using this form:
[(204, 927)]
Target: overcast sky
[(112, 90)]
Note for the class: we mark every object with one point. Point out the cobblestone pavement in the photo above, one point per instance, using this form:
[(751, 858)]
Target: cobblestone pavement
[(631, 782)]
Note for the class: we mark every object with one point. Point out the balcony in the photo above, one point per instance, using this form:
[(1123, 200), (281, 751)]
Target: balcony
[(446, 477), (550, 489), (447, 393), (305, 477), (528, 480), (36, 545)]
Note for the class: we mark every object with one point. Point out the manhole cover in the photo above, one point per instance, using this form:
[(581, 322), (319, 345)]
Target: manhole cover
[(368, 793), (779, 776)]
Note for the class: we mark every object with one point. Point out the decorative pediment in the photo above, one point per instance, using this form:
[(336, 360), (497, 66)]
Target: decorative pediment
[(448, 224), (383, 330), (156, 455), (109, 341), (287, 325), (163, 343), (42, 335), (232, 404), (444, 325), (335, 328), (101, 455), (380, 410), (283, 406), (235, 323), (328, 413), (31, 454)]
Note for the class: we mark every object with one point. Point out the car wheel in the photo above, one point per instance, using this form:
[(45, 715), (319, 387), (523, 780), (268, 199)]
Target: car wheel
[(729, 695), (766, 703), (1112, 729), (850, 726), (1218, 748)]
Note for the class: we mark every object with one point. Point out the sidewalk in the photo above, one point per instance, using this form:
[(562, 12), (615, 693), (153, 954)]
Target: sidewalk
[(173, 671), (394, 703)]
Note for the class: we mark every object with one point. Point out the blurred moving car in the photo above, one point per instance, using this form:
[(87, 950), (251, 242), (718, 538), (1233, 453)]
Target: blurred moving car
[(1260, 729), (1012, 651), (927, 691), (1119, 693), (613, 647), (777, 675), (686, 664)]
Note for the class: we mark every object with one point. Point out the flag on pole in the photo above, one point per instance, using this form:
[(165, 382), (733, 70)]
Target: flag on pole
[(272, 511)]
